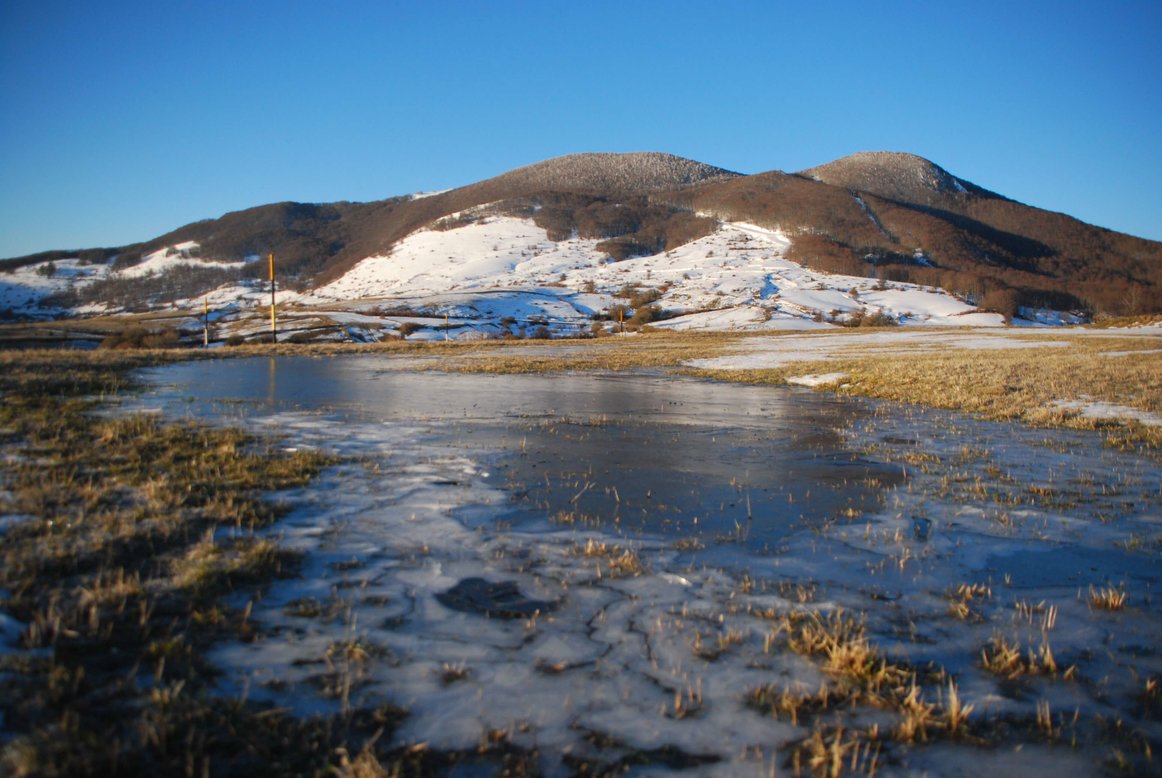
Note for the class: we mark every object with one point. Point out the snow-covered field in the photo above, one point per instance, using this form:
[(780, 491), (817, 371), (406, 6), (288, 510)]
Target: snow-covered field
[(502, 274), (735, 279), (23, 289), (164, 260)]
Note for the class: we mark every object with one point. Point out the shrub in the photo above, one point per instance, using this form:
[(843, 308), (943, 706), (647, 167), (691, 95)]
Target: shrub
[(645, 297), (646, 314), (408, 327), (878, 319), (136, 294), (141, 337), (617, 312), (862, 318), (1002, 301)]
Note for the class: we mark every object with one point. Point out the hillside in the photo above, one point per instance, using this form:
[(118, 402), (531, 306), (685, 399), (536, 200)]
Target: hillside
[(611, 174), (904, 218), (895, 176), (885, 217)]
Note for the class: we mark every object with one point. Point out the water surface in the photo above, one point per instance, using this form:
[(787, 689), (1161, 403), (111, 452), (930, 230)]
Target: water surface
[(647, 453), (588, 563)]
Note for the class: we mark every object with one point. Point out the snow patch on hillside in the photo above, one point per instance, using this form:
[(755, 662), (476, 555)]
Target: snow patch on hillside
[(170, 257), (735, 279), (490, 253), (501, 275), (23, 290)]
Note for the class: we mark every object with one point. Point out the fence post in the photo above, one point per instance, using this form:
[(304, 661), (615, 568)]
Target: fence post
[(273, 325)]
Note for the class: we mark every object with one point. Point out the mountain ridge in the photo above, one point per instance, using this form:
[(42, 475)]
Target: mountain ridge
[(890, 214), (894, 175), (613, 172)]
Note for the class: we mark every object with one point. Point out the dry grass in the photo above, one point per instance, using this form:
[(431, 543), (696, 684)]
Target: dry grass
[(836, 751), (714, 646), (118, 572), (1107, 598), (1013, 384), (613, 561), (956, 712), (792, 704), (137, 530), (918, 720), (917, 717), (859, 675), (842, 642), (960, 601), (646, 350), (1022, 384), (1004, 658)]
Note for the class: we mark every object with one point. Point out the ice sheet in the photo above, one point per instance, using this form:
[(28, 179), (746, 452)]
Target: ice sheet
[(652, 642)]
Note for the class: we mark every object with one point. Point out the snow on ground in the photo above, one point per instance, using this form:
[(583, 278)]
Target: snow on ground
[(23, 289), (424, 195), (164, 259), (816, 379), (490, 253), (735, 279), (1094, 409), (777, 352), (1031, 317), (501, 274)]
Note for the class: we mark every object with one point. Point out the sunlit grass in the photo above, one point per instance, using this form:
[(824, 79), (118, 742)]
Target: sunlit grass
[(117, 568), (612, 560), (1019, 384), (188, 499), (1107, 598)]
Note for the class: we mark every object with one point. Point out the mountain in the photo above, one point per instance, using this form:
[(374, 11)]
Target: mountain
[(910, 220), (894, 176), (619, 174), (889, 217)]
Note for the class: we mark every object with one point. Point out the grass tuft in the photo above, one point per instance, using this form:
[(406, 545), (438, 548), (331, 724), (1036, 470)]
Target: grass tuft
[(1107, 598), (135, 530)]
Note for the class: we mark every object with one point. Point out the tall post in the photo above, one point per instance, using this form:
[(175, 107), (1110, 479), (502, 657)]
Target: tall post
[(205, 322), (273, 320)]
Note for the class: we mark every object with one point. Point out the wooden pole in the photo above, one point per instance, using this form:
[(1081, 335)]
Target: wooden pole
[(205, 322), (273, 320)]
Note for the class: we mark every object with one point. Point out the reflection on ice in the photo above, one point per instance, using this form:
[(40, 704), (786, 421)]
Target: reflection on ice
[(643, 539)]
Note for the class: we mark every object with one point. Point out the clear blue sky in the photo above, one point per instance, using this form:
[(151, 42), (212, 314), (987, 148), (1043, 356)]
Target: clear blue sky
[(121, 120)]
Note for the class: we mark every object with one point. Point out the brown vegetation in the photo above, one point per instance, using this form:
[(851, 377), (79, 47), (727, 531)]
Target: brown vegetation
[(893, 216), (971, 242), (1020, 384)]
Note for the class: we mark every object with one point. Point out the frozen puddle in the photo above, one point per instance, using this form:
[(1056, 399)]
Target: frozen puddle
[(594, 566)]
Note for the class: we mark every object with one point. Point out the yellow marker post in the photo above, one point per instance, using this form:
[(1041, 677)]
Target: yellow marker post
[(205, 322), (273, 320)]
